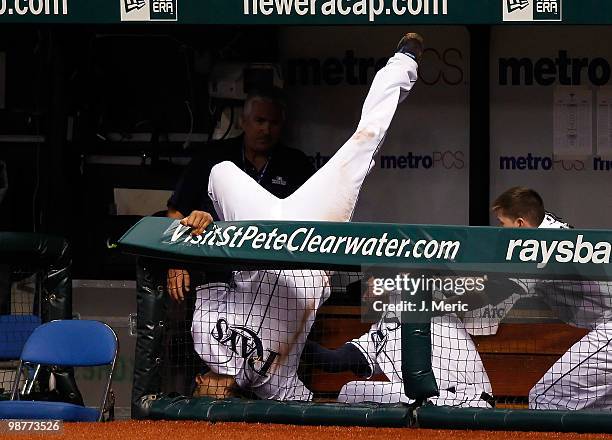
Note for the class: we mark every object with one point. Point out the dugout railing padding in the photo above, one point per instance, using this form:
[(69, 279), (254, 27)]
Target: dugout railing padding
[(436, 417), (374, 415), (159, 246), (269, 411)]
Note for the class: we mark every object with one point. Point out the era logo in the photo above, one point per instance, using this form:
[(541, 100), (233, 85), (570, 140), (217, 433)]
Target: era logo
[(148, 10), (532, 10)]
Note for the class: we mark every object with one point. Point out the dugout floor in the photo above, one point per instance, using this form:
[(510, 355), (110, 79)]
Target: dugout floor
[(227, 431)]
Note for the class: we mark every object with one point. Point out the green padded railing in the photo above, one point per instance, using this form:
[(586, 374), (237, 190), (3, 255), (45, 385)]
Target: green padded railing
[(268, 411), (551, 253), (437, 417)]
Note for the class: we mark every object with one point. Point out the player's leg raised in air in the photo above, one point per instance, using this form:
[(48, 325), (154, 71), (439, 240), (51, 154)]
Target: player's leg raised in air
[(332, 192), (255, 330)]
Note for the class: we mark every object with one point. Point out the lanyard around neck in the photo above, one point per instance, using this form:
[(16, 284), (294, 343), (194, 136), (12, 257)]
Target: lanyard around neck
[(260, 174)]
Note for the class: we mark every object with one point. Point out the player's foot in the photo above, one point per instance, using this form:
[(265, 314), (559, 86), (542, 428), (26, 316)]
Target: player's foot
[(412, 45)]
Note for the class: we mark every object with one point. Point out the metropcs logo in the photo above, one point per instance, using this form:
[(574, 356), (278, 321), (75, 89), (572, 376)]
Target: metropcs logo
[(148, 10), (532, 10)]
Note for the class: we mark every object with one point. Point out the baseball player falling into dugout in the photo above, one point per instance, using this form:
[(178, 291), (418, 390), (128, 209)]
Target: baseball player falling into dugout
[(251, 333)]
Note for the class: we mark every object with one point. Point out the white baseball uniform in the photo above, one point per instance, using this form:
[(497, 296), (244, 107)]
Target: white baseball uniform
[(255, 330), (582, 377), (485, 320), (458, 369)]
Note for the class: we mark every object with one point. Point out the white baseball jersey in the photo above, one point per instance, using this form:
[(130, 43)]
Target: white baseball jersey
[(582, 377), (456, 364), (256, 329), (583, 304)]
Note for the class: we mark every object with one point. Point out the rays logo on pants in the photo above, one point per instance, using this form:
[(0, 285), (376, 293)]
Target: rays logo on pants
[(245, 343)]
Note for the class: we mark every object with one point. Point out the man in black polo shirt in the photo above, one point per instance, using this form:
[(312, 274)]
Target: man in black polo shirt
[(258, 152)]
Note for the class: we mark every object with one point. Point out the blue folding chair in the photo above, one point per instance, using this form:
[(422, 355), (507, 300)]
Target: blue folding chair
[(69, 343)]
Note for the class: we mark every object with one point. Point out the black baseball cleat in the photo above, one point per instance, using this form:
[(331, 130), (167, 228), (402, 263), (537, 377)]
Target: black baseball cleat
[(412, 45)]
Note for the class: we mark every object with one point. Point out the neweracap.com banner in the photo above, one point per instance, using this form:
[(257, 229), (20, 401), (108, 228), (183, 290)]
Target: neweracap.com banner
[(308, 11), (367, 11)]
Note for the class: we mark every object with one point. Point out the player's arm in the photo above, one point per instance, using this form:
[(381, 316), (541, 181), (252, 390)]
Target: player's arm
[(189, 201), (496, 290), (187, 195), (178, 280), (345, 358)]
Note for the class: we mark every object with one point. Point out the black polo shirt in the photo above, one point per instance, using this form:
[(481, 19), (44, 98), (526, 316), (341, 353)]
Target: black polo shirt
[(286, 171)]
